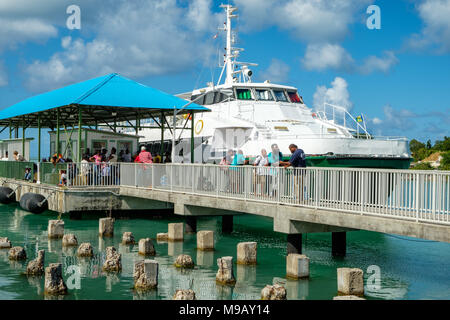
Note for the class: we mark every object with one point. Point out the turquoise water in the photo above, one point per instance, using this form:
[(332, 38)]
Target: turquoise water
[(409, 268)]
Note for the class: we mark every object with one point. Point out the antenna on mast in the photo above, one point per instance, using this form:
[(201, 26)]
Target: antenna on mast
[(232, 53)]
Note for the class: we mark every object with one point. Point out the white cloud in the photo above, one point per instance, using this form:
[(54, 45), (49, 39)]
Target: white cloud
[(3, 75), (17, 31), (337, 95), (161, 41), (383, 64), (436, 31), (310, 20), (278, 71), (320, 57), (377, 121)]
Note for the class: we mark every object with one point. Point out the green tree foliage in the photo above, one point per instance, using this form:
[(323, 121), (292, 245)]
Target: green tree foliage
[(415, 145), (442, 145), (421, 150), (445, 162), (423, 166)]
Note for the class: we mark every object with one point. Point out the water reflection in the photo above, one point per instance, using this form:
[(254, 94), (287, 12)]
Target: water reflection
[(110, 280), (205, 258), (18, 217), (37, 283), (103, 243), (54, 245), (224, 292), (174, 249), (145, 295)]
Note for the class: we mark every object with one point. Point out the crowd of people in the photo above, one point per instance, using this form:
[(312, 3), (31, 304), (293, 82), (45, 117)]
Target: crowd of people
[(263, 179), (100, 168)]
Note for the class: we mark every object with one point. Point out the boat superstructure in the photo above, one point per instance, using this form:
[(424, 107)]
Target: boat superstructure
[(249, 116)]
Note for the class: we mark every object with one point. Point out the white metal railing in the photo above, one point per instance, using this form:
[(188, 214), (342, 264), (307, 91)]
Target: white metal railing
[(402, 194)]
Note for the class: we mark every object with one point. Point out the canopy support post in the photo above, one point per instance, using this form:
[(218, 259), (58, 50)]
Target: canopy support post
[(10, 130), (23, 137), (174, 125), (192, 138), (57, 133), (162, 135), (80, 123), (39, 137)]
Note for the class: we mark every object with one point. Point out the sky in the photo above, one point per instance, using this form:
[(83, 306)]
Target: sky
[(397, 76)]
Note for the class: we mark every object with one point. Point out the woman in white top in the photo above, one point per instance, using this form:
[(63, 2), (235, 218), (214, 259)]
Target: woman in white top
[(262, 162)]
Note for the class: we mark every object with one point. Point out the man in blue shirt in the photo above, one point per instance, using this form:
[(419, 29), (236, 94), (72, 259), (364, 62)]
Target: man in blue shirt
[(297, 160)]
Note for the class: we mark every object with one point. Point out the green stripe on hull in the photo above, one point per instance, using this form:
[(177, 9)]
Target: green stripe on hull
[(353, 162)]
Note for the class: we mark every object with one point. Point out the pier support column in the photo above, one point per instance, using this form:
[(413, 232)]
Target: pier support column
[(227, 224), (338, 244), (190, 224), (294, 243)]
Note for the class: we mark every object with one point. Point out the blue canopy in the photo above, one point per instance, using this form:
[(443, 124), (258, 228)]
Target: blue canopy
[(104, 99)]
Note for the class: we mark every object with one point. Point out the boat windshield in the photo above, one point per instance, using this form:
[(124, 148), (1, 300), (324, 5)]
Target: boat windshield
[(264, 95), (244, 94), (293, 95), (280, 96)]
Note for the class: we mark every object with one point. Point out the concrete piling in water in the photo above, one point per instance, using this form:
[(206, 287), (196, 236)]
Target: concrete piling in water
[(205, 240), (128, 238), (191, 224), (54, 282), (146, 247), (17, 254), (225, 275), (5, 243), (146, 274), (106, 227), (275, 292), (350, 281), (184, 261), (69, 240), (297, 266), (113, 262), (85, 250), (162, 237), (175, 232), (36, 266), (55, 229), (246, 253), (184, 295)]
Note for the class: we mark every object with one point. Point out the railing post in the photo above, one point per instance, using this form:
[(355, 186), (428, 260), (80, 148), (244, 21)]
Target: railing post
[(244, 186), (38, 173), (278, 171), (69, 180), (153, 175), (193, 178), (171, 177), (218, 179), (135, 174)]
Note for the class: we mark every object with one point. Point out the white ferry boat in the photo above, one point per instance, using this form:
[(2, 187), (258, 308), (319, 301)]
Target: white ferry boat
[(249, 116)]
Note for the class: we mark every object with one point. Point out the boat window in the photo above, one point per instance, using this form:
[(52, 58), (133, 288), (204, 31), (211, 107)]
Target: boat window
[(280, 96), (244, 94), (209, 98), (293, 95), (220, 97), (264, 95), (200, 101)]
